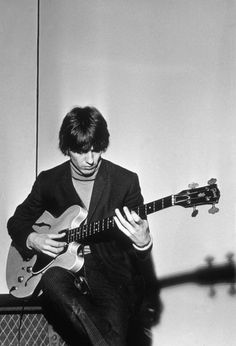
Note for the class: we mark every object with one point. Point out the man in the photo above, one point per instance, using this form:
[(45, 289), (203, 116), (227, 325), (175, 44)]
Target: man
[(95, 305)]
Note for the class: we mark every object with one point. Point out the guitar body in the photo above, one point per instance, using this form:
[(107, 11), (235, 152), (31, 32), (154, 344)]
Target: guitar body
[(23, 275)]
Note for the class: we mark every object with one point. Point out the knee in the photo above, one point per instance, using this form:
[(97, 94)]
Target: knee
[(52, 278)]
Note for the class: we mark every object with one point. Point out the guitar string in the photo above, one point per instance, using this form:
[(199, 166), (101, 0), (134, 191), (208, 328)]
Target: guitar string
[(85, 230)]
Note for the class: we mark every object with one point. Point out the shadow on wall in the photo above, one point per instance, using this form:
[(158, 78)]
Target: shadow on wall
[(152, 307)]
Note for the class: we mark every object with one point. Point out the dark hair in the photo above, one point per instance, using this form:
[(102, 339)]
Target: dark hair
[(82, 129)]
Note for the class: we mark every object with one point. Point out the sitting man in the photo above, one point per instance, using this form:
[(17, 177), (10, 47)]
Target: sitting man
[(94, 305)]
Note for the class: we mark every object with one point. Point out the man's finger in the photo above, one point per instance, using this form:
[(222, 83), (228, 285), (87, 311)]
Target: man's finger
[(56, 235), (136, 217), (121, 227), (121, 218), (129, 216), (51, 254)]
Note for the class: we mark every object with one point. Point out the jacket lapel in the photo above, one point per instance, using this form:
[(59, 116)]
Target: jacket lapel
[(98, 189), (68, 187)]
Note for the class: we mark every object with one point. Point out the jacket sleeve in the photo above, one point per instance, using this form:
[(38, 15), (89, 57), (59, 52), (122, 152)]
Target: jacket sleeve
[(20, 224), (133, 199)]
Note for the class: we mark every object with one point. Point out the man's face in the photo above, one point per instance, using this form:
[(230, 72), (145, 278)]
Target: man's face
[(86, 163)]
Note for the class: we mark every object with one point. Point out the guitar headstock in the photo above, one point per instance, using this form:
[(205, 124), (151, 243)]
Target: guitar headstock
[(196, 196)]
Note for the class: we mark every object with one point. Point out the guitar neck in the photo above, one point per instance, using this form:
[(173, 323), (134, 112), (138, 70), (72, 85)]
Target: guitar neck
[(85, 231)]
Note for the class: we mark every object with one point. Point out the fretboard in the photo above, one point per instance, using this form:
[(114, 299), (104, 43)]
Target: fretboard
[(85, 231)]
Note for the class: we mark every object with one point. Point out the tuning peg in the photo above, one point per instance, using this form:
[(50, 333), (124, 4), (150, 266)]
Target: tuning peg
[(212, 181), (193, 185), (230, 257), (212, 291), (210, 261), (194, 212), (213, 209), (232, 289)]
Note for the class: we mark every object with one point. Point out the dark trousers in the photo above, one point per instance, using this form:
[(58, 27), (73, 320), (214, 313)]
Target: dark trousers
[(99, 317)]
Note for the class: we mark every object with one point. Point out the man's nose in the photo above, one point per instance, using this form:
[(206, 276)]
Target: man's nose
[(90, 157)]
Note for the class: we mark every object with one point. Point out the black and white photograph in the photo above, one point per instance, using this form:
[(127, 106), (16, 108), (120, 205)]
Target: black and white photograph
[(118, 172)]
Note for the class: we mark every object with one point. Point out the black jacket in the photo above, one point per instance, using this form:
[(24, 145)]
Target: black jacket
[(114, 187)]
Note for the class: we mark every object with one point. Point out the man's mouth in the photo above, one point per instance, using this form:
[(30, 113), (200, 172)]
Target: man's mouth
[(89, 168)]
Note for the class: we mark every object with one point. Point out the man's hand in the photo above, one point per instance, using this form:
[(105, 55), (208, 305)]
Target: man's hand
[(46, 243), (133, 227)]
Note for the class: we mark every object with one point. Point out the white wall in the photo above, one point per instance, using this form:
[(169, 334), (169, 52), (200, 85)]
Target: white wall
[(17, 119), (163, 74)]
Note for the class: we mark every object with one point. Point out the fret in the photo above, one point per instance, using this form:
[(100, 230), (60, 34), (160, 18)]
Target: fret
[(157, 205), (138, 210), (79, 236), (148, 209), (84, 232), (94, 227), (151, 207), (70, 238), (111, 223)]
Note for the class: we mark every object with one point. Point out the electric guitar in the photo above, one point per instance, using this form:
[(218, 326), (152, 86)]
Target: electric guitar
[(24, 274)]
